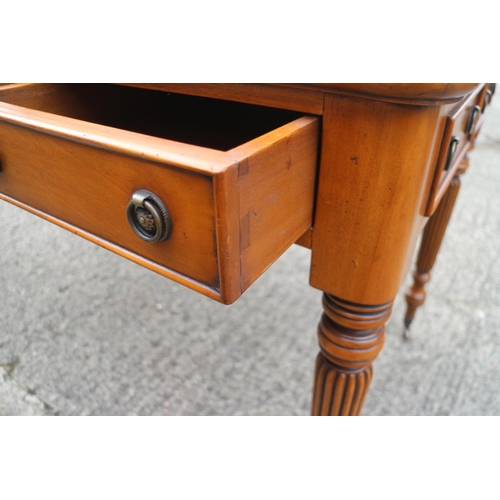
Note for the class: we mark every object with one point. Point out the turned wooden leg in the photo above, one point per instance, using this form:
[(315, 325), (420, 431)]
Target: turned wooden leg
[(432, 238), (350, 337)]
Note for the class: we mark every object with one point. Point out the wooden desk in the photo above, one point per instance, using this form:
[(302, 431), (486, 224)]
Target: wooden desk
[(355, 169)]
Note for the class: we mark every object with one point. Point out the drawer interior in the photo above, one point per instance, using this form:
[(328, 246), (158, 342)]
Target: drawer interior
[(210, 123)]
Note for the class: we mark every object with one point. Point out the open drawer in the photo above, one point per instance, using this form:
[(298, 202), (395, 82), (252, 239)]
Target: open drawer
[(237, 181)]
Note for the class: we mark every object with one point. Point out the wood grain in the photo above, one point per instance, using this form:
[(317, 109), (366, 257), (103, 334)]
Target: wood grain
[(305, 240), (277, 202), (275, 96), (123, 252), (89, 188), (415, 93), (377, 162), (308, 97)]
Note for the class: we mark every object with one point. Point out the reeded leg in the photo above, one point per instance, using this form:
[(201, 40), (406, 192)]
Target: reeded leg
[(432, 238), (350, 337)]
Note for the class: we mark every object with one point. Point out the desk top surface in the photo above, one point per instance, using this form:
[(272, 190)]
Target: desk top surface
[(309, 97)]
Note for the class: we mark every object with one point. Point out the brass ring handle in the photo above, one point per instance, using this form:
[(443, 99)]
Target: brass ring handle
[(148, 217)]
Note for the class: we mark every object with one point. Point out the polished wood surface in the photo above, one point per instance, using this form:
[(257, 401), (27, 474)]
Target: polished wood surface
[(377, 162), (424, 93), (350, 336), (355, 182), (276, 96), (308, 98)]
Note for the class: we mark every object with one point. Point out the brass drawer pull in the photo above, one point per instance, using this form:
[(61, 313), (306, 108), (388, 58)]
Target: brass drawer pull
[(451, 152), (471, 123), (149, 217)]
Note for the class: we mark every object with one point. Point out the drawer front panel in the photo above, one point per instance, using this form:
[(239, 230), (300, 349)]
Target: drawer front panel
[(75, 155), (461, 127), (89, 188)]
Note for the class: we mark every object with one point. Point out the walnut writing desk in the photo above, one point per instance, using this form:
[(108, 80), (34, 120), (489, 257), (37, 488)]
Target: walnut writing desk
[(208, 184)]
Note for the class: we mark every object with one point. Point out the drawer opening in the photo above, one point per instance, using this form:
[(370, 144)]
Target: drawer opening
[(200, 121)]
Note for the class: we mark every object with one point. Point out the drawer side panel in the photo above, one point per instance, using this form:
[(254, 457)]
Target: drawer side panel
[(276, 196)]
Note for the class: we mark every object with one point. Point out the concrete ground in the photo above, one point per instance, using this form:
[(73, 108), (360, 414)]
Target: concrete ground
[(85, 332)]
